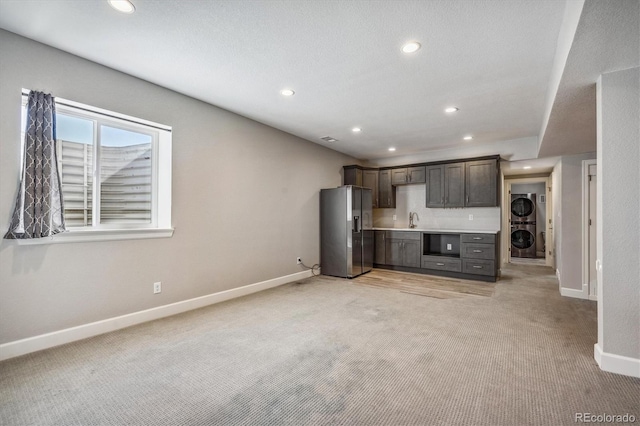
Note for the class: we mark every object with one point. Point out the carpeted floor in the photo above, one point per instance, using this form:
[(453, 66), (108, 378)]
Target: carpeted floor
[(328, 351)]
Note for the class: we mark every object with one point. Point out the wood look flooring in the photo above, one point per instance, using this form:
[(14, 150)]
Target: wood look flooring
[(425, 285)]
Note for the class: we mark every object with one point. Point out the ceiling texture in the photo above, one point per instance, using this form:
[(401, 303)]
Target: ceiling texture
[(492, 59)]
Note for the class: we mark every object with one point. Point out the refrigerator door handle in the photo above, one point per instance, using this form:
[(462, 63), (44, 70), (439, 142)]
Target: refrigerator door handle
[(356, 229)]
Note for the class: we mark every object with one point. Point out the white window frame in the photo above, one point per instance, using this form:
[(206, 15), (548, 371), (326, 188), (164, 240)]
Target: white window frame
[(160, 226)]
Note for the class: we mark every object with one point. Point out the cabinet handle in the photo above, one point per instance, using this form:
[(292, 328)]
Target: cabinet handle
[(467, 200), (442, 201), (440, 264), (477, 267), (477, 251), (477, 238)]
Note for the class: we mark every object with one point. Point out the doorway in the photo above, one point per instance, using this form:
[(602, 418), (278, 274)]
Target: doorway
[(589, 221), (527, 235)]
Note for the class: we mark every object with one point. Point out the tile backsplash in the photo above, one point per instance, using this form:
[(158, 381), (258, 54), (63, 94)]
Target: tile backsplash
[(411, 198)]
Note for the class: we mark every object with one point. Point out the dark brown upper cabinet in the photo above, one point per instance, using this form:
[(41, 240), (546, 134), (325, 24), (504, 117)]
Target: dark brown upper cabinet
[(481, 182), (445, 185), (408, 175)]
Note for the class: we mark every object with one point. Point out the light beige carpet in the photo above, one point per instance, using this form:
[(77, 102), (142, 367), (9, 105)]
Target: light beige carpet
[(328, 351)]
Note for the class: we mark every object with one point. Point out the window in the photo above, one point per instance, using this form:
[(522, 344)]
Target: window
[(115, 173)]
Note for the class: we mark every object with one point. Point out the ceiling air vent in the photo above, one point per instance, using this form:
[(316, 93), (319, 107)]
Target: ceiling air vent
[(329, 139)]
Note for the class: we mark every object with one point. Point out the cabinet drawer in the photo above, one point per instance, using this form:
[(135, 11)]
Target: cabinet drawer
[(442, 263), (404, 235), (478, 238), (478, 251), (478, 267)]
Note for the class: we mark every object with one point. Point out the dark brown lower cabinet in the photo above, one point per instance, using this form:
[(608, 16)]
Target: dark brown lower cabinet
[(472, 256)]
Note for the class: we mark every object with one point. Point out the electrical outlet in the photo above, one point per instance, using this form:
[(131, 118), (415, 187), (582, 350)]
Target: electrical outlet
[(395, 217), (448, 246), (470, 217), (157, 288), (298, 260)]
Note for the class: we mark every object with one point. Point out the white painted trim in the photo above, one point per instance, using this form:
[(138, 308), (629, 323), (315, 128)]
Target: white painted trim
[(618, 364), (578, 294), (68, 335), (90, 235)]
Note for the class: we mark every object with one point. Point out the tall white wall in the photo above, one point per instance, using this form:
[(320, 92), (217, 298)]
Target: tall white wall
[(618, 230), (245, 202)]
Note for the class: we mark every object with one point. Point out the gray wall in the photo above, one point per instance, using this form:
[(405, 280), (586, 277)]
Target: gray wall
[(541, 209), (567, 209), (245, 202), (618, 232)]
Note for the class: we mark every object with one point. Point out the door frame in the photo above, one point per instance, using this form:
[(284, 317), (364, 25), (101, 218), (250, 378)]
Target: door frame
[(585, 230), (506, 217)]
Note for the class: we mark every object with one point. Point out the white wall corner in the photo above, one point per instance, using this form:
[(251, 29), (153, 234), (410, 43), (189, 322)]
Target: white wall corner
[(572, 292), (617, 364), (68, 335)]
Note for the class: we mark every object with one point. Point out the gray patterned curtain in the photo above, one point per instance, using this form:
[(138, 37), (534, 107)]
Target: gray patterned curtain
[(38, 212)]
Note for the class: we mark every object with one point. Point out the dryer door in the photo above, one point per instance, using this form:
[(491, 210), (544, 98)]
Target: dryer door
[(522, 210)]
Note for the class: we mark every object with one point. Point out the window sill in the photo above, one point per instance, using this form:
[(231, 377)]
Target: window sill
[(83, 236)]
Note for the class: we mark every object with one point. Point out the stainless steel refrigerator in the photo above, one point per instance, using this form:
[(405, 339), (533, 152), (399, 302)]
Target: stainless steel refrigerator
[(346, 231)]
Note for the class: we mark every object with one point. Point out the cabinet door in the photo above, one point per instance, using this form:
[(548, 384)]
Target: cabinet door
[(411, 253), (380, 248), (393, 255), (435, 186), (416, 174), (387, 196), (481, 178), (352, 176), (370, 180), (398, 176), (454, 185)]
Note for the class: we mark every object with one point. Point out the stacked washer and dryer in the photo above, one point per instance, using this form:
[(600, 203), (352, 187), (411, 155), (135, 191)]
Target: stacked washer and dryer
[(523, 225)]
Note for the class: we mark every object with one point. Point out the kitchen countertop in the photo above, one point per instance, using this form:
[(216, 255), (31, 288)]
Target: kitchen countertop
[(453, 231)]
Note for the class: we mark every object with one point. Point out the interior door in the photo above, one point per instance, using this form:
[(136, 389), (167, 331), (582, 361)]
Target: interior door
[(593, 275)]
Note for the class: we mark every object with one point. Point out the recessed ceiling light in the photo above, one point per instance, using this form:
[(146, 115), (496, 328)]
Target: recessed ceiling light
[(411, 47), (468, 138), (392, 149), (451, 109), (526, 167), (124, 6), (356, 129), (287, 92)]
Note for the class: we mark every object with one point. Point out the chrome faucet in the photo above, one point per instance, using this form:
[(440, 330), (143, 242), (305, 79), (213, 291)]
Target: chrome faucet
[(411, 215)]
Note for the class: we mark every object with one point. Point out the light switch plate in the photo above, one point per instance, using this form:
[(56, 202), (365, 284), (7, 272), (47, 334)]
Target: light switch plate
[(395, 217)]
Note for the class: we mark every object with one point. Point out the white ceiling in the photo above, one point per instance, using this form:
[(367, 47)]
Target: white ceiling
[(491, 58), (605, 39)]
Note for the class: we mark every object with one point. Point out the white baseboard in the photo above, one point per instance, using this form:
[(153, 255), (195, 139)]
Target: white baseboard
[(572, 292), (68, 335), (616, 363)]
